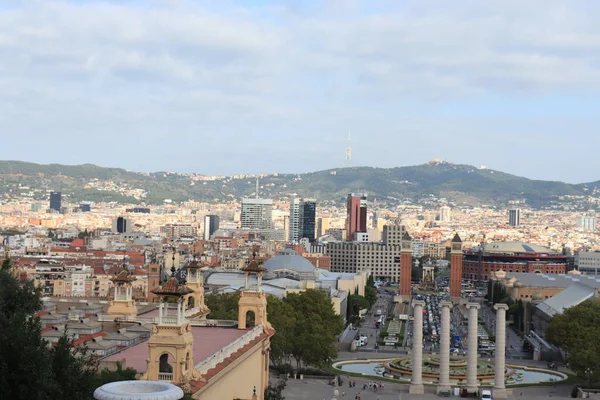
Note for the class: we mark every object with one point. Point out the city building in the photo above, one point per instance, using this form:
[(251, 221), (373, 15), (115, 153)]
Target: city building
[(257, 214), (393, 234), (177, 231), (445, 214), (322, 226), (514, 217), (302, 219), (382, 260), (294, 222), (56, 201), (588, 262), (481, 262), (586, 222), (211, 225), (122, 225), (356, 215)]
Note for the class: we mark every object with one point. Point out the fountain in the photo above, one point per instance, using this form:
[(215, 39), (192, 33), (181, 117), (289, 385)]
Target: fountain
[(138, 390)]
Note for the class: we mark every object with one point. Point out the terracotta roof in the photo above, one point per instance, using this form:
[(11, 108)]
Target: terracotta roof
[(123, 277), (172, 288), (254, 266), (195, 265), (196, 385)]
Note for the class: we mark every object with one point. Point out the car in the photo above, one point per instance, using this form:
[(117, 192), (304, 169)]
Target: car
[(486, 395)]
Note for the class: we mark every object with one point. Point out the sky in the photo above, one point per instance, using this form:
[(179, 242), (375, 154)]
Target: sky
[(263, 86)]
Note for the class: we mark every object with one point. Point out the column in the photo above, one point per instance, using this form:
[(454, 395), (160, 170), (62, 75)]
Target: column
[(444, 381), (499, 388), (416, 381), (472, 383)]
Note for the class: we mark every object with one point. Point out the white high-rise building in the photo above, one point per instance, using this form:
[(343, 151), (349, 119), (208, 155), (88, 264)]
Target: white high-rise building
[(514, 217), (586, 222), (445, 214), (257, 214), (294, 221)]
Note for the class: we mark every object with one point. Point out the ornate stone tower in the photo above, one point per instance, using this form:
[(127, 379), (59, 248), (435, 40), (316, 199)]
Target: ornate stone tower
[(405, 267), (456, 256), (195, 307), (170, 346), (123, 303), (253, 301)]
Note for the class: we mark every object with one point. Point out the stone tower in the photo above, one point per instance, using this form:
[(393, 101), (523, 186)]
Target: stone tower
[(170, 346), (405, 267), (253, 301), (123, 303), (456, 257), (195, 306)]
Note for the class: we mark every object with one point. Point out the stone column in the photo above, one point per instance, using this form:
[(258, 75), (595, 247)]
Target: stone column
[(472, 383), (499, 388), (416, 381), (444, 382)]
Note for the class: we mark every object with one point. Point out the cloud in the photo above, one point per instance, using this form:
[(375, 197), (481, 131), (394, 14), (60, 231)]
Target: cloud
[(269, 70)]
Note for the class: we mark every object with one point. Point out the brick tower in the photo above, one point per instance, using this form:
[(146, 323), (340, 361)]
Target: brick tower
[(405, 267), (456, 256)]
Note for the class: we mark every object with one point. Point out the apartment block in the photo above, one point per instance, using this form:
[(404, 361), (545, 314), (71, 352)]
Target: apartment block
[(382, 260)]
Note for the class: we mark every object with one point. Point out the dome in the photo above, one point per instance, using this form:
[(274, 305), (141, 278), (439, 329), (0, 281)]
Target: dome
[(516, 247), (500, 274), (288, 261)]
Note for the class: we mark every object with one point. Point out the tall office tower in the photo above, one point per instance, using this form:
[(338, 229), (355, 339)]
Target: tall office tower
[(445, 214), (374, 219), (56, 201), (393, 234), (257, 214), (294, 227), (514, 217), (586, 222), (356, 219), (308, 215), (211, 225), (322, 226), (121, 225)]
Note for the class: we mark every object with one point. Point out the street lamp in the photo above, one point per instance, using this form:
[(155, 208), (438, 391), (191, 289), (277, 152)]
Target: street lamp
[(588, 372)]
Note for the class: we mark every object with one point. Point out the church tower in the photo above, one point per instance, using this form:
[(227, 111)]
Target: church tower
[(456, 257), (195, 306), (170, 346), (253, 301), (406, 267), (123, 303)]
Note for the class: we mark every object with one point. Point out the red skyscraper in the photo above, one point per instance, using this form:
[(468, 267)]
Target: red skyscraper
[(356, 219)]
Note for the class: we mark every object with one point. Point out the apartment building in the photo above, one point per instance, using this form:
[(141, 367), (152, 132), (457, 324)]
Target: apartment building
[(382, 260), (177, 231)]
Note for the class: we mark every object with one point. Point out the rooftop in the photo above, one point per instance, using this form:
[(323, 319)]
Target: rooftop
[(207, 341)]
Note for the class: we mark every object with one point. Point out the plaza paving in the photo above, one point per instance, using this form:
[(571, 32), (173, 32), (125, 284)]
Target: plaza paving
[(321, 390)]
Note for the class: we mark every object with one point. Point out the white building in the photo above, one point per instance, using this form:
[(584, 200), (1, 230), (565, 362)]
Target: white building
[(514, 217), (586, 222), (257, 214), (445, 214), (382, 260), (294, 221), (588, 262)]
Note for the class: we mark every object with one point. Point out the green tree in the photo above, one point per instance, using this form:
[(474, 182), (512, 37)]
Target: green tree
[(275, 392), (576, 331), (282, 317), (223, 306), (119, 374), (355, 304), (6, 263)]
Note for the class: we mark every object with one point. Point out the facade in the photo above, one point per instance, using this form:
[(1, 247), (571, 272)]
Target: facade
[(588, 262), (302, 220), (122, 225), (356, 217), (445, 214), (456, 268), (211, 225), (406, 268), (586, 222), (177, 231), (514, 217), (56, 201), (294, 221), (482, 262), (382, 260), (322, 226), (257, 214), (393, 234)]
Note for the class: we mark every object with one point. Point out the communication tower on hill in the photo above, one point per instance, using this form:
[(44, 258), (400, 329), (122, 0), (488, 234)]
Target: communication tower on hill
[(349, 152)]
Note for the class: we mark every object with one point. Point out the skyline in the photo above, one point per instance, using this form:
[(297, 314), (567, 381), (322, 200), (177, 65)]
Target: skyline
[(247, 87)]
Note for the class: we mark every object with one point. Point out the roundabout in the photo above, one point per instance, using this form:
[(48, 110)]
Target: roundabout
[(401, 369)]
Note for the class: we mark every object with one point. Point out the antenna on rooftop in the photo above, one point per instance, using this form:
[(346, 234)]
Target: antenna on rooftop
[(348, 151)]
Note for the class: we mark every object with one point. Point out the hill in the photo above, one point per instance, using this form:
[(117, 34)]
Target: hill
[(462, 184)]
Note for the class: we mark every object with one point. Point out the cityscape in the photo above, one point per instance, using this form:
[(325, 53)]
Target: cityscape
[(299, 200)]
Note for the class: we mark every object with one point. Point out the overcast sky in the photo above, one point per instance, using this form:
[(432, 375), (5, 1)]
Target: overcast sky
[(262, 86)]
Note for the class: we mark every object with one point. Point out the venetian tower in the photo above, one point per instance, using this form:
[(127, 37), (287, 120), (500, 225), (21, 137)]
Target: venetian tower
[(123, 303), (406, 268), (170, 346), (456, 256), (252, 299), (195, 306)]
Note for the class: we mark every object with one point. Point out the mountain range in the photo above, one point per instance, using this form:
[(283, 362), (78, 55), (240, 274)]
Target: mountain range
[(459, 184)]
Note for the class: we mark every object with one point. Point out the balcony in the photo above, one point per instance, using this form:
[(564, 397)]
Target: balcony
[(170, 320), (165, 376)]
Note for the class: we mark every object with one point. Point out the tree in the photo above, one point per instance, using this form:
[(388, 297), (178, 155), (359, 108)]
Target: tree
[(119, 374), (282, 317), (275, 392), (576, 331), (223, 306), (6, 263), (355, 304)]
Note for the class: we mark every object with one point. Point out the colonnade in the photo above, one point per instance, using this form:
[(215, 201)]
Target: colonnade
[(472, 384)]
